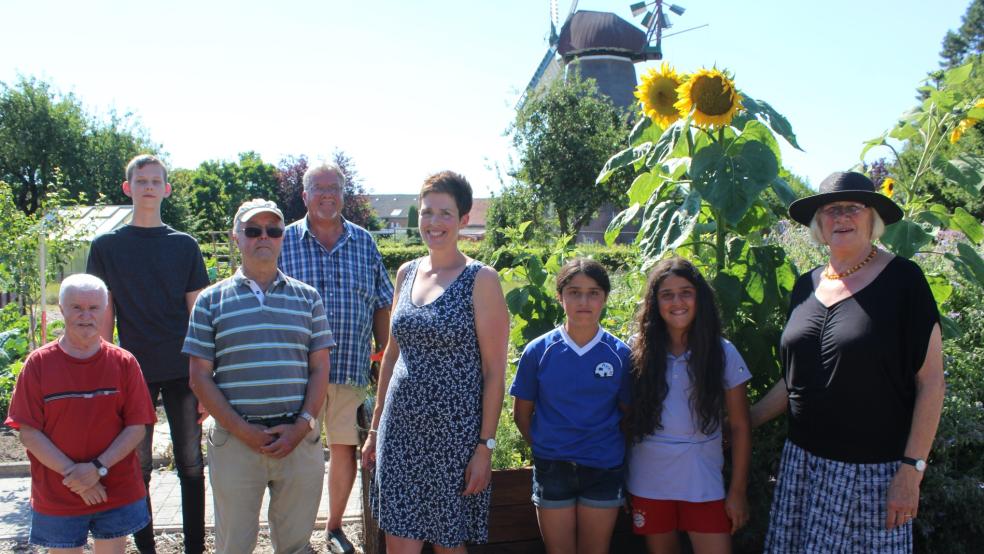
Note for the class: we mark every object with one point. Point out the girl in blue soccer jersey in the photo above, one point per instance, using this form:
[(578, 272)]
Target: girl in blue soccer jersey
[(685, 376), (570, 390)]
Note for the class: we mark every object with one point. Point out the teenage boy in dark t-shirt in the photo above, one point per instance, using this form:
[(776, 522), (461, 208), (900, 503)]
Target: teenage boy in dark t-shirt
[(154, 275)]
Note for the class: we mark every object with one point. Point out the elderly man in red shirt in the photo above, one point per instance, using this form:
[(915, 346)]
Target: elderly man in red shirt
[(81, 407)]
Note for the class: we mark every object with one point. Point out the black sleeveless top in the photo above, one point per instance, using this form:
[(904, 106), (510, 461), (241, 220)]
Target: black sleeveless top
[(850, 368)]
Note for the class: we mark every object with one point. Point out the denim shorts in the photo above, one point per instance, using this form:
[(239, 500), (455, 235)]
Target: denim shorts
[(73, 531), (558, 484)]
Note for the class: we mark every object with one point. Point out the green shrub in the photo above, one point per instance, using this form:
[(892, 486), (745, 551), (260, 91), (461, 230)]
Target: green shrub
[(396, 254)]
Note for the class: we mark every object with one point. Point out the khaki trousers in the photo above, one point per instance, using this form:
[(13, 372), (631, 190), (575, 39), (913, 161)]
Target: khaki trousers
[(239, 477)]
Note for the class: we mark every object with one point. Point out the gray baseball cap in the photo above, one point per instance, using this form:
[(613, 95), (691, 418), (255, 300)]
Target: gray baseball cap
[(253, 207)]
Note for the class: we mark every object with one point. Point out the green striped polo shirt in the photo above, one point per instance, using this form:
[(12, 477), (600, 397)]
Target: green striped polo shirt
[(259, 343)]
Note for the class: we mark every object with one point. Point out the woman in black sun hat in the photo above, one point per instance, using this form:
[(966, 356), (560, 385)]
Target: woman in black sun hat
[(862, 381)]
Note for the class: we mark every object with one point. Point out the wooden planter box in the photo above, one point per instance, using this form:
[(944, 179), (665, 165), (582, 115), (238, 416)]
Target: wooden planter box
[(512, 520)]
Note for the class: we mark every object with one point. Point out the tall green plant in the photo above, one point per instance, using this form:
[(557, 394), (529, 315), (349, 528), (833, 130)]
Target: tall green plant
[(704, 161), (924, 132)]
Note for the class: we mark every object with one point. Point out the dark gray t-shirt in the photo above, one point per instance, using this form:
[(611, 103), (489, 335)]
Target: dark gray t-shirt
[(148, 270)]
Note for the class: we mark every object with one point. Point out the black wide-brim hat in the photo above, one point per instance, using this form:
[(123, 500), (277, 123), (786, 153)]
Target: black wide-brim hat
[(841, 186)]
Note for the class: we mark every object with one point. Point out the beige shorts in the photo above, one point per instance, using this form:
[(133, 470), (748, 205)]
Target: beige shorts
[(339, 413)]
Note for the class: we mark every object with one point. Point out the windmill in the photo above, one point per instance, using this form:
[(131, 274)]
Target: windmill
[(605, 45), (550, 66), (655, 21)]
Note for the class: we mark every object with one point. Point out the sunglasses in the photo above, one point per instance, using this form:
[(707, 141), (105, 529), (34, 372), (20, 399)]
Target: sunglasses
[(255, 232)]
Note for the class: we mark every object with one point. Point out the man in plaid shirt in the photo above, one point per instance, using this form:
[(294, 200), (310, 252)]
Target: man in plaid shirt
[(341, 261)]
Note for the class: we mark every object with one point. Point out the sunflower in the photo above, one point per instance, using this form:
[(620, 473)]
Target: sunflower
[(965, 124), (657, 92), (712, 97), (888, 187)]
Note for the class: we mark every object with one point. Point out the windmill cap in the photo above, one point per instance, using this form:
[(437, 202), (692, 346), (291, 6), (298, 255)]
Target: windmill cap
[(840, 186)]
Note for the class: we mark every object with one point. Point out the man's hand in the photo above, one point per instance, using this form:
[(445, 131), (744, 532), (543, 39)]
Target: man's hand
[(94, 495), (81, 477), (478, 474), (255, 436), (903, 497), (202, 413), (287, 437)]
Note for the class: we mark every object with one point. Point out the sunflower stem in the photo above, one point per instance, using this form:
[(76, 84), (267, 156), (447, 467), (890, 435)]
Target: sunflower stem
[(719, 226)]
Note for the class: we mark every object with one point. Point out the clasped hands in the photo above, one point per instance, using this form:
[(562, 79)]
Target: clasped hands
[(83, 480), (277, 441)]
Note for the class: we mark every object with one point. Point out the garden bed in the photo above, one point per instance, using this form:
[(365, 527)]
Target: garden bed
[(11, 449)]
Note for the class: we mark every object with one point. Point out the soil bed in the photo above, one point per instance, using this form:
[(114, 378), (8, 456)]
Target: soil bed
[(11, 449)]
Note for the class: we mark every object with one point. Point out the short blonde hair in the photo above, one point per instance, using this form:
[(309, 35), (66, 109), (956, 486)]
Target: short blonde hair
[(877, 227)]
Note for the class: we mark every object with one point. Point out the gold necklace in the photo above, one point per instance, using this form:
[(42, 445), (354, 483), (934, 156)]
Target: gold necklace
[(828, 274)]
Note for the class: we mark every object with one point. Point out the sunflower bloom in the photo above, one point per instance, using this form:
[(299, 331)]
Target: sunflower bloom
[(712, 97), (965, 124), (657, 93), (888, 187)]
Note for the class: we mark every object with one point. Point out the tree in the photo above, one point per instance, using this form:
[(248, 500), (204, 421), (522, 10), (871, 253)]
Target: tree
[(966, 41), (217, 188), (563, 136), (43, 133), (39, 134), (290, 176), (515, 204), (357, 208)]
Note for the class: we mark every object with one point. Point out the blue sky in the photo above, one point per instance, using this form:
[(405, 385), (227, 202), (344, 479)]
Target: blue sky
[(409, 88)]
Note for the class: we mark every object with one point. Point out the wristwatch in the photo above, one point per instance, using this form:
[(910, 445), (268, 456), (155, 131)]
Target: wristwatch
[(100, 469), (917, 463), (489, 443), (312, 423)]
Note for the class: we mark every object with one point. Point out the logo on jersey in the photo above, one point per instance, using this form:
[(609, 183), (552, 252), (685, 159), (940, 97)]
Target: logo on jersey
[(604, 369), (638, 518)]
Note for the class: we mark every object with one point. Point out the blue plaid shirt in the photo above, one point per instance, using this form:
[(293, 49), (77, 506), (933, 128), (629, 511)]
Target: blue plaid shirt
[(353, 284)]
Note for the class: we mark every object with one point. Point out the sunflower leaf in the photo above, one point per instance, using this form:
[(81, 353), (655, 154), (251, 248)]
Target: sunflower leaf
[(941, 286), (622, 159), (903, 131), (975, 113), (958, 75), (965, 171), (644, 186), (756, 131), (967, 224), (620, 221), (869, 144), (776, 121), (905, 238), (968, 263), (783, 191), (731, 184), (668, 224), (645, 131)]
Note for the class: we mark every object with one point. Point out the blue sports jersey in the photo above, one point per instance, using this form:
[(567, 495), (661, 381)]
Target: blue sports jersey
[(576, 392)]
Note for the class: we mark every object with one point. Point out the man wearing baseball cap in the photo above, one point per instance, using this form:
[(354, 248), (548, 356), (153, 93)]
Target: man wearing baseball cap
[(258, 343)]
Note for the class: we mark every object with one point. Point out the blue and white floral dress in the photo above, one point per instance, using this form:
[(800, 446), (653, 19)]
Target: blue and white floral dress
[(431, 420)]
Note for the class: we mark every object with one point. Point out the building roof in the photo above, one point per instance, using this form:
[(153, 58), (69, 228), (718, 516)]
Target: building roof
[(84, 223), (392, 206), (597, 33), (395, 206)]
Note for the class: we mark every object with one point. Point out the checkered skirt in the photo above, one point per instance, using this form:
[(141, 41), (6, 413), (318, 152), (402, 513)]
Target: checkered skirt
[(824, 506)]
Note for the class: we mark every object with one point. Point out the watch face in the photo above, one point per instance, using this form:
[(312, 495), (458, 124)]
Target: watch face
[(921, 465), (103, 472), (490, 443)]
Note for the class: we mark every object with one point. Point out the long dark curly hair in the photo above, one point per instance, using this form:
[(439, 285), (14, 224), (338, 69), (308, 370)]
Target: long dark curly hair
[(706, 365)]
